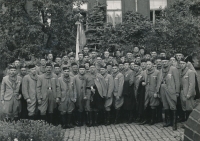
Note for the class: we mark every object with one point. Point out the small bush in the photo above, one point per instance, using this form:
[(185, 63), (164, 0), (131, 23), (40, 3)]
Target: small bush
[(28, 130)]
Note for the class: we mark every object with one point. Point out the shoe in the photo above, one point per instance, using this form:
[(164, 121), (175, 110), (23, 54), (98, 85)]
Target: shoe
[(107, 118), (153, 116), (69, 122), (167, 119), (63, 119)]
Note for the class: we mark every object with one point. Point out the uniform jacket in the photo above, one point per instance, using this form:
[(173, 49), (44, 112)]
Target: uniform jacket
[(7, 90), (79, 86), (137, 80), (129, 76), (109, 85), (172, 80), (118, 84), (45, 82), (188, 82), (65, 90), (29, 86)]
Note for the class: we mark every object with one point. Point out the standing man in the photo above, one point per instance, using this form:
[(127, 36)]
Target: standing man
[(58, 60), (151, 77), (29, 86), (57, 70), (50, 58), (74, 69), (80, 59), (187, 88), (128, 94), (79, 92), (169, 90), (41, 69), (65, 91), (117, 92), (109, 90), (46, 93), (10, 96)]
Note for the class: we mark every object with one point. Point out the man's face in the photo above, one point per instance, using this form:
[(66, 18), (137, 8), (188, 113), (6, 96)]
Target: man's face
[(80, 56), (23, 71), (87, 66), (138, 59), (86, 58), (159, 62), (99, 60), (165, 63), (65, 58), (118, 53), (102, 71), (92, 69), (132, 65), (57, 70), (172, 59), (141, 51), (162, 54), (115, 69), (72, 59), (123, 59), (149, 64), (143, 65), (136, 68), (179, 56), (58, 60), (17, 63), (153, 54), (148, 56), (182, 64), (33, 71), (155, 66), (126, 66), (129, 55), (109, 68), (111, 57), (48, 69), (106, 54), (66, 72), (43, 62), (121, 66), (82, 71), (75, 68), (12, 72), (50, 57), (136, 49), (86, 49), (93, 54)]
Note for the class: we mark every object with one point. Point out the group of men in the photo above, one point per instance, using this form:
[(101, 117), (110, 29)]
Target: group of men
[(101, 88)]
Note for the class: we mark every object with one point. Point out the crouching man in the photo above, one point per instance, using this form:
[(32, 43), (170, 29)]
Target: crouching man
[(65, 92), (10, 94)]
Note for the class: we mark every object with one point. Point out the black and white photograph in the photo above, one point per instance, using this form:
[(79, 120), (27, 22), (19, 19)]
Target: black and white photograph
[(100, 70)]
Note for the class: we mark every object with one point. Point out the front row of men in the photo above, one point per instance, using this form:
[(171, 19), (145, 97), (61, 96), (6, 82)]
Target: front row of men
[(95, 96)]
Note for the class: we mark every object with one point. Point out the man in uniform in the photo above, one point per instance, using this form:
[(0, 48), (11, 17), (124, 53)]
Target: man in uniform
[(10, 96), (169, 91), (57, 70), (65, 91), (80, 59), (29, 85), (58, 60), (117, 92), (41, 69), (74, 69), (46, 93), (109, 90)]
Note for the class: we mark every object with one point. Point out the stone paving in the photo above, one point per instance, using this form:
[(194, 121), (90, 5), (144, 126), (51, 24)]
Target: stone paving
[(124, 132)]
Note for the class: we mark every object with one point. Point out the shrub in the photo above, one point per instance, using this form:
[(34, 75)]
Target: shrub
[(29, 130)]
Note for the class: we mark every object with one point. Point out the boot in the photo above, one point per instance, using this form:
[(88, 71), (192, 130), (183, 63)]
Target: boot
[(130, 120), (96, 114), (69, 122), (138, 118), (174, 125), (63, 119), (146, 119), (87, 118), (167, 119), (80, 123), (90, 119), (182, 116), (7, 119), (188, 114), (107, 118), (117, 117), (153, 115)]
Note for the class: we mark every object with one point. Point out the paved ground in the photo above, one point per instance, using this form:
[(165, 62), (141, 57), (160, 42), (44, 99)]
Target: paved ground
[(124, 132)]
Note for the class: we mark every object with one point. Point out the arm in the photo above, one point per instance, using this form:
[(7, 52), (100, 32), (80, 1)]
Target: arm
[(75, 90), (39, 86), (58, 89), (176, 79), (110, 87), (191, 90), (25, 84), (3, 88), (190, 66), (121, 85), (132, 77)]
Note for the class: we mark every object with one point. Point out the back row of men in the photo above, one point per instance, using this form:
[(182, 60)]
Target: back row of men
[(114, 88)]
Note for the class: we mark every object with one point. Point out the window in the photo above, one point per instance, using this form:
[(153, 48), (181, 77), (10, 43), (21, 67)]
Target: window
[(114, 12), (155, 9)]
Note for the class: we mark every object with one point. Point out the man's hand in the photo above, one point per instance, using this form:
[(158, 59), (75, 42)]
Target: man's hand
[(85, 97), (2, 101), (155, 95), (57, 100), (28, 101), (39, 102), (93, 90), (19, 96), (188, 96), (143, 84), (74, 100)]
